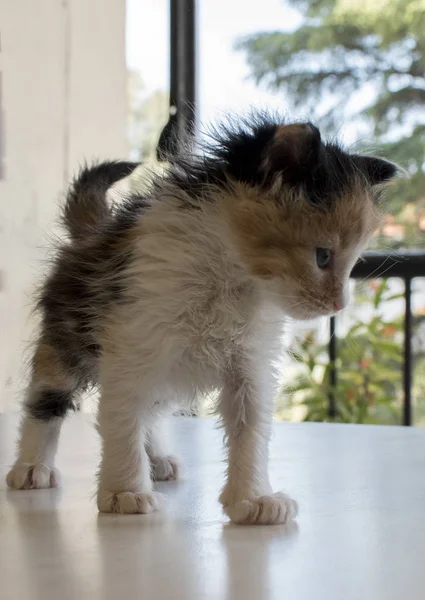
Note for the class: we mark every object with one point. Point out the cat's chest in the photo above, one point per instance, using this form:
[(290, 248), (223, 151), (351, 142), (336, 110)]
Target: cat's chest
[(220, 316), (208, 353), (214, 331)]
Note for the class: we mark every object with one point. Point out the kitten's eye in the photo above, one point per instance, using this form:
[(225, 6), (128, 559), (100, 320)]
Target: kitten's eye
[(323, 257)]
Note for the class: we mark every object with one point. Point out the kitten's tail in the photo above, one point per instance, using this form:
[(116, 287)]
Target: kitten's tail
[(86, 206)]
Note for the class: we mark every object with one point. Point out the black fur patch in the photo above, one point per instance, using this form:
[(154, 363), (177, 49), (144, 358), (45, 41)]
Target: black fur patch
[(333, 174), (50, 404), (86, 204), (235, 152), (251, 152), (83, 283)]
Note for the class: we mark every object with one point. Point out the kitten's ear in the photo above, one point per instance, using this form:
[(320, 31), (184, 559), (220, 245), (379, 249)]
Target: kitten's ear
[(376, 170), (294, 151)]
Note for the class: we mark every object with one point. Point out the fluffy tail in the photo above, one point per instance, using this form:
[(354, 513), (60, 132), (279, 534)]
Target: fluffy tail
[(86, 206)]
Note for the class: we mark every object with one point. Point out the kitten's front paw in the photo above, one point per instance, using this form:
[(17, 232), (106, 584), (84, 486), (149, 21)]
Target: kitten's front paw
[(128, 503), (164, 468), (26, 476), (264, 510)]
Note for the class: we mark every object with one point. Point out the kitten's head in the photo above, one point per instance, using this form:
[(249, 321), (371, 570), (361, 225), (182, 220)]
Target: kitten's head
[(301, 211)]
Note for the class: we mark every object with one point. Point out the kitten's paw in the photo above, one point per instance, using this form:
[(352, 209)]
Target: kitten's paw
[(128, 503), (26, 476), (264, 510), (164, 468)]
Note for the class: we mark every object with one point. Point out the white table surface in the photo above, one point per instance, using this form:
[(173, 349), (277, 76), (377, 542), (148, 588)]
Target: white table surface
[(360, 534)]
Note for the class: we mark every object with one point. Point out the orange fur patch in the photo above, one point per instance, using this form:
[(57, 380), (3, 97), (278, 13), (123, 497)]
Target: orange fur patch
[(277, 233)]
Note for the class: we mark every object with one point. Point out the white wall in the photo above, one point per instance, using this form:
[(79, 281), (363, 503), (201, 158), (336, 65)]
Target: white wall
[(63, 75)]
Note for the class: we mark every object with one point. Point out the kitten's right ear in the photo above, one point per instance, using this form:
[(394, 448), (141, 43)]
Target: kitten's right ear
[(294, 152), (376, 170)]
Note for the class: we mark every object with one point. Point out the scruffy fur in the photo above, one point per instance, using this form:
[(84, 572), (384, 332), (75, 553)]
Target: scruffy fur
[(167, 297)]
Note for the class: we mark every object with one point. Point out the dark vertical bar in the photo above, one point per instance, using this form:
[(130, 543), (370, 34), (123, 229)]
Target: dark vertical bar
[(183, 22), (332, 371), (407, 370), (181, 121), (174, 63)]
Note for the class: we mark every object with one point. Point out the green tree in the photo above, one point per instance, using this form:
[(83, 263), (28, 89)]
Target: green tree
[(362, 61)]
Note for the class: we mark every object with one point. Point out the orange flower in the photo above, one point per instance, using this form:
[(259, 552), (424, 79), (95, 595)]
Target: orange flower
[(374, 285), (350, 394), (364, 363), (310, 338), (394, 231), (389, 330)]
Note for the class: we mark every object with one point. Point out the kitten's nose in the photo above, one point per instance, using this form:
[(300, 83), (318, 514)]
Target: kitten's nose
[(338, 305)]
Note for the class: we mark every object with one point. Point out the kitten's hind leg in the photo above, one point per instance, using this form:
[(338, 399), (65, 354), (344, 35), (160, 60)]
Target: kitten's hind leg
[(164, 466), (49, 398)]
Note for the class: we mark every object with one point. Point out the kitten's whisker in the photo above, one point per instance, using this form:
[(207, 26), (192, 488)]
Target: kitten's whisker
[(374, 271)]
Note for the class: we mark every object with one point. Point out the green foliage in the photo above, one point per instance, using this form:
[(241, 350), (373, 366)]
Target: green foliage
[(148, 113), (365, 62), (369, 367)]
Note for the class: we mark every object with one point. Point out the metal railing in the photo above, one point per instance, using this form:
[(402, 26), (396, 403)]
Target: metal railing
[(406, 266)]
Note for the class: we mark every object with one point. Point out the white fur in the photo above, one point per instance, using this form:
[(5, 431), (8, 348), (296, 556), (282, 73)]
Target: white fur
[(264, 510), (164, 467), (34, 467)]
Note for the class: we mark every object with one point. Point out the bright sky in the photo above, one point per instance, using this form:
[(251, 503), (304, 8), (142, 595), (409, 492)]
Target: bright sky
[(222, 72), (223, 76)]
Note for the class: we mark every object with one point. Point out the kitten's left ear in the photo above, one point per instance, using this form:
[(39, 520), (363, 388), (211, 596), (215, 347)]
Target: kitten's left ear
[(376, 170), (294, 151)]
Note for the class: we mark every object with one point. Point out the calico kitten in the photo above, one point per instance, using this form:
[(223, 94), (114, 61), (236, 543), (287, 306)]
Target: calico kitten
[(178, 293)]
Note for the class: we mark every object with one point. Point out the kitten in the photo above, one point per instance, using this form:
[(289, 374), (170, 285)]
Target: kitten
[(178, 293)]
